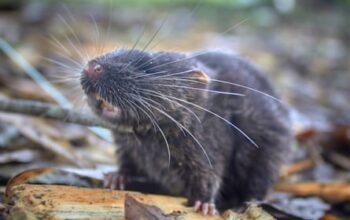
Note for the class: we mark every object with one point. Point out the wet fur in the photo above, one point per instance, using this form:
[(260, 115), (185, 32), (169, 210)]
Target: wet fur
[(240, 171)]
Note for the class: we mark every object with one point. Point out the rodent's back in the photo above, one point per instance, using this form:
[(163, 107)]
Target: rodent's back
[(230, 67), (239, 128), (262, 118)]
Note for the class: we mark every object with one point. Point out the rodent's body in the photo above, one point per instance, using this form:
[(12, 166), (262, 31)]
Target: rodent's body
[(239, 171)]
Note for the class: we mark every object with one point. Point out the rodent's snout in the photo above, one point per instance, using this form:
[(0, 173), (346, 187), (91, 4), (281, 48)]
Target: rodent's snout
[(93, 70)]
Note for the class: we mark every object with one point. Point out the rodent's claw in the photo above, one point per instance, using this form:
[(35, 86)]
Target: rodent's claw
[(114, 180), (206, 208)]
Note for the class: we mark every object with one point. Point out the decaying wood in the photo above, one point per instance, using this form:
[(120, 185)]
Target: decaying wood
[(332, 192), (45, 110), (65, 202), (24, 177), (25, 201)]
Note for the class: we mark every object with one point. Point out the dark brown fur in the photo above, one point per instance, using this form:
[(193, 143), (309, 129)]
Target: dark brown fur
[(240, 171)]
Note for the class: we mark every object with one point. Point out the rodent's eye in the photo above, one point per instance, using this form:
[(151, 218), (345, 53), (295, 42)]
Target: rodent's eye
[(98, 68)]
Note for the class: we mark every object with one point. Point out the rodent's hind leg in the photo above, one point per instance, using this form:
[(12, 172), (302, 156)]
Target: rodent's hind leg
[(202, 191), (207, 208)]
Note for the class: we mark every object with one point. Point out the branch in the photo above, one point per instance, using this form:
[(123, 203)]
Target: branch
[(45, 110)]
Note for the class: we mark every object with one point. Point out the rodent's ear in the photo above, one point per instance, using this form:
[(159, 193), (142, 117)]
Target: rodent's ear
[(201, 76)]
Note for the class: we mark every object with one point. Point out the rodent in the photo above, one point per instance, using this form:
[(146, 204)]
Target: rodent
[(186, 117)]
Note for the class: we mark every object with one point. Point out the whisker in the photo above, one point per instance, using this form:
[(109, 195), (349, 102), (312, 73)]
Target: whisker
[(75, 36), (72, 18), (188, 79), (97, 35), (235, 26), (70, 60), (109, 11), (158, 126), (179, 60), (159, 95), (188, 132), (147, 44), (62, 64), (136, 42), (199, 89), (247, 87), (66, 56), (156, 73), (66, 81), (77, 51), (141, 74), (132, 107), (59, 44), (217, 115), (189, 15), (173, 74), (156, 56)]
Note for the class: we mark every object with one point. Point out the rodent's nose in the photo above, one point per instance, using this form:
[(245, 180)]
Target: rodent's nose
[(93, 70)]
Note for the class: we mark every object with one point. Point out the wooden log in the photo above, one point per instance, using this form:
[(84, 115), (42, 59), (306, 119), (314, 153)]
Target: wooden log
[(65, 202), (26, 201)]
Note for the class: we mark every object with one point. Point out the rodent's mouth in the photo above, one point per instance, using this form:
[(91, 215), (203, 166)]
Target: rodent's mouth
[(103, 108)]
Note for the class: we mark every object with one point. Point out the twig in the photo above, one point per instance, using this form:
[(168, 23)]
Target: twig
[(43, 82), (40, 109), (297, 167), (333, 192)]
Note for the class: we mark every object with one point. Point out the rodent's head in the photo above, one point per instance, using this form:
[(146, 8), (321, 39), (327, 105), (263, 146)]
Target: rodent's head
[(135, 87)]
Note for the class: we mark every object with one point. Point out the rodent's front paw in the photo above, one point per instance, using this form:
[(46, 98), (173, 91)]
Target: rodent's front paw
[(206, 208), (115, 180)]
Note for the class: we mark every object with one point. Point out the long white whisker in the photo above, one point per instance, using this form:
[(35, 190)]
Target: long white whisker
[(155, 73), (76, 69), (159, 95), (97, 34), (138, 75), (187, 131), (71, 60), (247, 87), (158, 126), (59, 44), (150, 60), (194, 80), (200, 89), (217, 115), (179, 60), (71, 29), (75, 36)]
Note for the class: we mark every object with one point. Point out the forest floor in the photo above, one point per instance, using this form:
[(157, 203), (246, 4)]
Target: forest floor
[(306, 53)]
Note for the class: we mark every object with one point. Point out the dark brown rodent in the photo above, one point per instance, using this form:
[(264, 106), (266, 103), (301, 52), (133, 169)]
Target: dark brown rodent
[(196, 132)]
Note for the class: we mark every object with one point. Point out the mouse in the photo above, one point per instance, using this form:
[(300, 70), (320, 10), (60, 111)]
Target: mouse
[(207, 125)]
